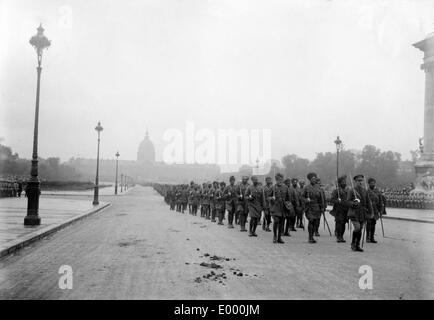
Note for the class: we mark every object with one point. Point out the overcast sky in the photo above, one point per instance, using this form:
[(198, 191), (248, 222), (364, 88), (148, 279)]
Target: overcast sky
[(307, 70)]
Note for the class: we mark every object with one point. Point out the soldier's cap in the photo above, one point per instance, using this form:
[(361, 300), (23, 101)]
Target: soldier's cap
[(232, 178), (294, 180), (371, 180), (279, 175), (311, 175), (287, 180), (245, 177), (359, 176), (254, 178), (268, 178), (342, 178), (222, 183)]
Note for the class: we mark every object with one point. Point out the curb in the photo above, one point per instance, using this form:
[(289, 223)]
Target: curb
[(407, 219), (18, 244)]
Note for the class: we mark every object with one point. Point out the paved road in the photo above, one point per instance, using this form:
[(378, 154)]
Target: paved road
[(138, 249)]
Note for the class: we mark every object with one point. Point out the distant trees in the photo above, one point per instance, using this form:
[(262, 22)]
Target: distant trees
[(372, 162), (49, 169), (295, 166)]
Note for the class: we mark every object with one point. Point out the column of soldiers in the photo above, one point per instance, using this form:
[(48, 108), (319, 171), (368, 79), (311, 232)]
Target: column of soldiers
[(284, 204), (403, 198)]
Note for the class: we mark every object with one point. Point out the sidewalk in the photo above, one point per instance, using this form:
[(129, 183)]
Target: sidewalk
[(55, 214), (415, 215), (107, 191)]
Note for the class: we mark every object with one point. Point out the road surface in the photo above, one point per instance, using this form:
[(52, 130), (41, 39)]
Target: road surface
[(138, 249)]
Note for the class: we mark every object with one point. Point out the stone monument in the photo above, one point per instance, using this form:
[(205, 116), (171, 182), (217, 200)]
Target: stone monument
[(425, 164)]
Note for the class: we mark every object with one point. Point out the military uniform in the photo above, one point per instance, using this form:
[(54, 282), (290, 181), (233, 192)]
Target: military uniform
[(357, 213), (280, 194), (242, 209), (255, 202), (314, 205), (231, 200), (376, 207), (290, 206), (220, 203), (340, 210), (268, 190)]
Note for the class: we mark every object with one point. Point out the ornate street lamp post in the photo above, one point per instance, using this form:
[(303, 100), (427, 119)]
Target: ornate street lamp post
[(339, 146), (116, 180), (122, 178), (39, 42), (98, 128)]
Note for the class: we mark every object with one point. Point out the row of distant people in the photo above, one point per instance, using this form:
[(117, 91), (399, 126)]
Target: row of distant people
[(11, 188), (399, 199)]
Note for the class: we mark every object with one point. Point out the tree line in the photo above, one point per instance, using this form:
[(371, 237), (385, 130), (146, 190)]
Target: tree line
[(50, 169), (384, 166)]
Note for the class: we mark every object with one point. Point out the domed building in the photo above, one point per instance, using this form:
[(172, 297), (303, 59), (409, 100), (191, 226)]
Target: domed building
[(146, 168), (146, 152)]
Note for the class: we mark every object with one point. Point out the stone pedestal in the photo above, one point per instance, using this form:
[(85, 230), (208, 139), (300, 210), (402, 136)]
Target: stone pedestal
[(425, 165)]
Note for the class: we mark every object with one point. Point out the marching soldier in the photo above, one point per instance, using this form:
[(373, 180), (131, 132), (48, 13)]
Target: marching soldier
[(230, 194), (255, 201), (376, 205), (299, 210), (358, 210), (242, 209), (324, 206), (279, 195), (267, 190), (220, 202), (290, 206), (314, 203), (184, 198), (340, 208), (215, 186), (195, 200), (190, 197)]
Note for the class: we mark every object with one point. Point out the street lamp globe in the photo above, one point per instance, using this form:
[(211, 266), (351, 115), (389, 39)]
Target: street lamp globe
[(98, 127), (40, 42), (338, 143)]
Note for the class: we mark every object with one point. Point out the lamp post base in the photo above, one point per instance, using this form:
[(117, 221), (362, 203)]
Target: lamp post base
[(32, 221), (95, 196), (33, 191)]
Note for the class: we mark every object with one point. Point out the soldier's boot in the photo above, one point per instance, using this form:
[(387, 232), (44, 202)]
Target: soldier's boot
[(264, 223), (279, 235), (341, 233), (243, 223), (353, 241), (372, 234), (286, 227), (310, 228), (275, 231), (368, 231), (359, 237), (292, 224), (267, 225), (316, 227), (255, 225), (251, 228)]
